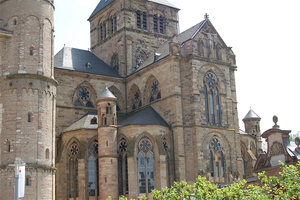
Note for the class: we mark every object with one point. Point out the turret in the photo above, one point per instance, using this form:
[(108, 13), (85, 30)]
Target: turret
[(27, 99), (252, 127), (107, 137)]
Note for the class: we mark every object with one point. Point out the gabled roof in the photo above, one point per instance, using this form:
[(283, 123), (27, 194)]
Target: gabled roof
[(103, 3), (251, 114), (146, 116), (191, 32), (82, 61)]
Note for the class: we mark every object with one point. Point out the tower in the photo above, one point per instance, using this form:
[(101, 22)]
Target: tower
[(252, 126), (125, 33), (27, 100), (107, 145)]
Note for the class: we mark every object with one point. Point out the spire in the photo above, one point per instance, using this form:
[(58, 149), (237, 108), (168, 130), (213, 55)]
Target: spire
[(106, 93), (251, 114)]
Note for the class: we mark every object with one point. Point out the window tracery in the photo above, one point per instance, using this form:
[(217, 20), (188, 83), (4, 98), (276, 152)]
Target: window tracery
[(141, 56), (83, 98), (115, 61), (212, 99), (123, 167), (145, 165), (217, 160), (93, 169), (152, 89), (73, 169), (135, 96)]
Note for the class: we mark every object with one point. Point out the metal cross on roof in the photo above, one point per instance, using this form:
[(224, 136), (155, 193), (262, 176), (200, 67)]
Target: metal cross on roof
[(206, 16)]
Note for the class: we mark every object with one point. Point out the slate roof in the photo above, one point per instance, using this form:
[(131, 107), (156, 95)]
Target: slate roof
[(146, 116), (251, 114), (84, 122), (103, 3), (190, 33), (106, 93), (82, 61)]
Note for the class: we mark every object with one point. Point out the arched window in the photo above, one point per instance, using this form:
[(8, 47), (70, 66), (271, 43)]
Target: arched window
[(158, 24), (212, 100), (73, 170), (93, 169), (102, 28), (47, 154), (168, 161), (94, 120), (29, 117), (115, 61), (123, 167), (83, 98), (217, 160), (113, 24), (8, 146), (135, 97), (141, 19), (145, 166)]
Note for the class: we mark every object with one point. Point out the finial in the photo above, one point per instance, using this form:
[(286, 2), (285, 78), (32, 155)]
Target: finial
[(106, 85), (275, 120), (206, 16)]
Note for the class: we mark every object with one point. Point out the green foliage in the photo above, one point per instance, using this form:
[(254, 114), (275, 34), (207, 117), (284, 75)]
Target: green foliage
[(283, 188), (287, 187)]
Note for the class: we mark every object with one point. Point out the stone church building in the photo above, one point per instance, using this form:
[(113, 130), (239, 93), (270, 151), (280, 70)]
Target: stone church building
[(145, 107)]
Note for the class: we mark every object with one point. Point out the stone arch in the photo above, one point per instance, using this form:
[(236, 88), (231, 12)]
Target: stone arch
[(152, 89), (13, 22), (134, 97), (120, 100), (84, 95)]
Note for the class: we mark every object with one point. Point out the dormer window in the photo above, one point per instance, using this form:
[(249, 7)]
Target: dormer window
[(94, 120), (88, 65)]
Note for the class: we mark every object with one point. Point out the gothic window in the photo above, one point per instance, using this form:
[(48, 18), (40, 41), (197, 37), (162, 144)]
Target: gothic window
[(123, 167), (145, 166), (115, 61), (93, 169), (158, 24), (217, 160), (140, 59), (141, 19), (73, 170), (102, 31), (212, 99), (168, 160), (154, 91), (135, 96), (83, 98), (113, 24)]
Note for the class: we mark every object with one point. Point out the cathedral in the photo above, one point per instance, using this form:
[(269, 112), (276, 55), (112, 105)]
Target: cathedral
[(144, 107)]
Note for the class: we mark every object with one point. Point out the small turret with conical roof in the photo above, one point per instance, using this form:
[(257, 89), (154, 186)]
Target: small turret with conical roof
[(107, 140), (252, 127)]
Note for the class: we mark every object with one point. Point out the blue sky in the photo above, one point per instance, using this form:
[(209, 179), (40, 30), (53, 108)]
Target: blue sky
[(264, 36)]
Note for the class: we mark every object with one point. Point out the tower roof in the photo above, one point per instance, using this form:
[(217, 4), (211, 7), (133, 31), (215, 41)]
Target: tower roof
[(251, 114), (106, 93), (103, 3)]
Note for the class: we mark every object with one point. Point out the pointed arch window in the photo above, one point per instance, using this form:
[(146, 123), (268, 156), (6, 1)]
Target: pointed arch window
[(93, 169), (141, 56), (217, 160), (154, 91), (212, 100), (145, 166), (115, 61), (123, 167), (73, 170), (136, 98), (83, 98), (113, 23)]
